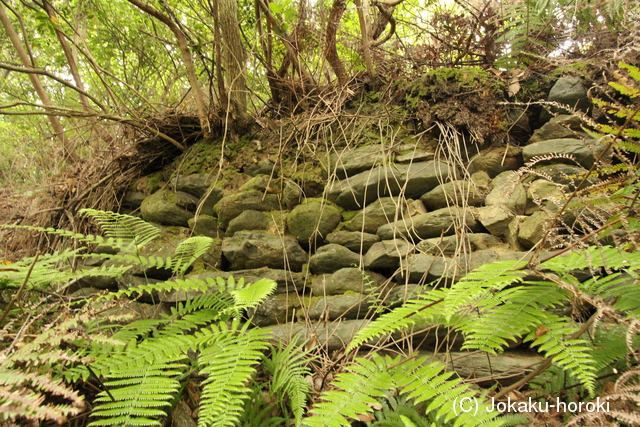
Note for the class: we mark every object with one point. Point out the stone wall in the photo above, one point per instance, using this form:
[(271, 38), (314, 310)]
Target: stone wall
[(385, 226)]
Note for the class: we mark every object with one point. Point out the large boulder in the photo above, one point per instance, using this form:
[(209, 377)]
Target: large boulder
[(195, 184), (495, 218), (332, 257), (508, 191), (353, 240), (248, 249), (449, 245), (440, 222), (570, 91), (205, 225), (460, 193), (169, 208), (378, 213), (287, 191), (348, 279), (209, 199), (313, 220), (532, 229), (248, 220), (494, 161), (413, 180), (231, 206), (560, 126), (387, 254), (349, 162), (331, 307), (584, 151)]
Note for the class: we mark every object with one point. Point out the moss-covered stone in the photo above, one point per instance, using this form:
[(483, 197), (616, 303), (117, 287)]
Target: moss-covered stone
[(313, 220)]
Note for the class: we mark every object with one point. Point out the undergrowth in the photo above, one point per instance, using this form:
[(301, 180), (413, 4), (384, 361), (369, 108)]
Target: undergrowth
[(207, 349)]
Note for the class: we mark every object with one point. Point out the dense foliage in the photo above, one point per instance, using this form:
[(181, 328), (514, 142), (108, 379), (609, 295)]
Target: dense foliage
[(86, 81)]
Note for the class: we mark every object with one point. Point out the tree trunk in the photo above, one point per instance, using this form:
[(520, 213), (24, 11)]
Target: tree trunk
[(70, 152), (330, 51), (233, 60), (363, 17)]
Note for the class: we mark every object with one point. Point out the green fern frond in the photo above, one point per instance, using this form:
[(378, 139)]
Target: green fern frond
[(482, 280), (254, 294), (573, 355), (369, 381), (289, 367), (425, 306), (188, 251), (124, 227), (592, 257), (508, 315), (229, 362)]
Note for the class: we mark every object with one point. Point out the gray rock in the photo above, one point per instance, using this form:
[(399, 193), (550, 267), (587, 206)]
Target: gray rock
[(349, 279), (570, 91), (532, 229), (286, 190), (495, 218), (354, 240), (496, 160), (205, 225), (508, 191), (561, 126), (414, 179), (562, 174), (331, 307), (248, 249), (349, 162), (424, 268), (208, 200), (378, 213), (133, 199), (277, 309), (542, 192), (332, 336), (263, 167), (584, 151), (129, 281), (415, 156), (230, 207), (402, 293), (195, 184), (332, 257), (433, 224), (99, 282), (387, 254), (313, 221), (459, 193), (130, 311), (505, 368), (181, 416), (162, 207), (248, 220), (449, 245)]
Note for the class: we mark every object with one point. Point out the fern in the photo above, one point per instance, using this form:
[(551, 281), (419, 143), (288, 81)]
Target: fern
[(288, 367), (144, 375), (359, 392), (125, 228), (229, 362)]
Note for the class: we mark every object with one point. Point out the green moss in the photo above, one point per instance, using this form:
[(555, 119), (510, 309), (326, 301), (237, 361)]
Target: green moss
[(348, 215), (201, 157)]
